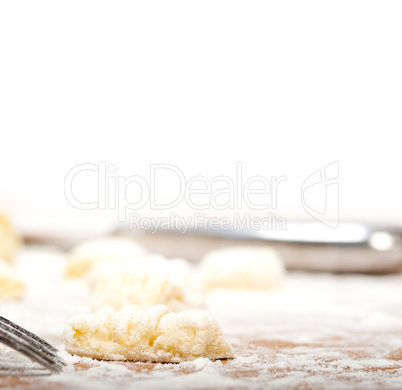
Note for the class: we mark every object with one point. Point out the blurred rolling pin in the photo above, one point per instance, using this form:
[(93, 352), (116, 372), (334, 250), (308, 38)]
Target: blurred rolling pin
[(351, 247), (304, 246)]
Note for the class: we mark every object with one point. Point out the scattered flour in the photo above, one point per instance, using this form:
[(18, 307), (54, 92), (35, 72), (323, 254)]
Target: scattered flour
[(316, 331)]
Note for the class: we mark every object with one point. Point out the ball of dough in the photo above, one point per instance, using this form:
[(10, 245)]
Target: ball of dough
[(89, 253), (242, 267), (152, 335), (9, 241), (10, 286), (140, 288)]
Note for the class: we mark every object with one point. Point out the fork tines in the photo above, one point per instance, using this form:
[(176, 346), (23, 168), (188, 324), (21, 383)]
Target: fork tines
[(30, 345)]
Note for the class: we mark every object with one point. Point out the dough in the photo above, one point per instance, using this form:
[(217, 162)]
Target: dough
[(89, 253), (140, 288), (152, 335), (177, 270), (242, 267), (8, 240), (103, 269), (10, 286), (181, 273)]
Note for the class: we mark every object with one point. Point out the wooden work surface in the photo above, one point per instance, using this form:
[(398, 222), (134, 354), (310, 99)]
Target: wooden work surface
[(319, 372), (318, 331)]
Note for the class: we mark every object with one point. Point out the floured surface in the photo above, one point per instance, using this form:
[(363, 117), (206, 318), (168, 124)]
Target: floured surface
[(317, 331)]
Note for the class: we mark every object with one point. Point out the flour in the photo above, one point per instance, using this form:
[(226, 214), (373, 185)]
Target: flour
[(316, 331)]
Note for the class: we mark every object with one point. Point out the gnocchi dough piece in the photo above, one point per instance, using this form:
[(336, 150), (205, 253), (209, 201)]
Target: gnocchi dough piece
[(152, 335), (242, 267), (181, 273), (89, 253), (101, 270), (9, 241), (177, 270), (10, 286), (140, 288)]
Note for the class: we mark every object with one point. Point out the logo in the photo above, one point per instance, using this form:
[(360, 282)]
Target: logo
[(320, 195)]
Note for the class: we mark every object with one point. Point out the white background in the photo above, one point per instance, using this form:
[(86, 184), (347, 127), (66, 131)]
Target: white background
[(284, 87)]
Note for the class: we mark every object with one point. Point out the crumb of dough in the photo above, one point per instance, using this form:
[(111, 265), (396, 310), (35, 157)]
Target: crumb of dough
[(86, 255), (242, 267), (11, 287), (9, 241), (140, 288), (152, 335)]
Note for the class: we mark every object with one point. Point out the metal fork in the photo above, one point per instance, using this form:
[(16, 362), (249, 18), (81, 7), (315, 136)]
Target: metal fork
[(30, 345)]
